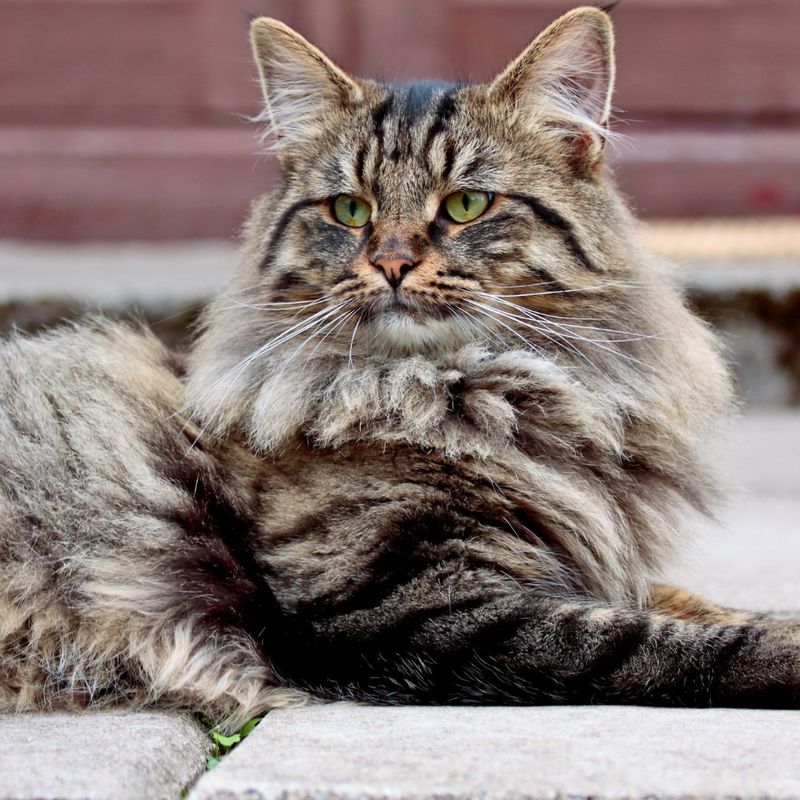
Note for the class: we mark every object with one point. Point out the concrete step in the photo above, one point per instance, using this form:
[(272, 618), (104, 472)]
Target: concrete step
[(348, 752), (100, 755), (750, 557)]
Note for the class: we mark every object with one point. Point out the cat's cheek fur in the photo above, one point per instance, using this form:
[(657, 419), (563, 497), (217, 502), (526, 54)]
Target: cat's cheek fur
[(397, 334)]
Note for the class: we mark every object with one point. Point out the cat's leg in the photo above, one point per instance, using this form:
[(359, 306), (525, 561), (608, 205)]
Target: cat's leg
[(221, 674), (139, 641), (55, 659), (536, 650)]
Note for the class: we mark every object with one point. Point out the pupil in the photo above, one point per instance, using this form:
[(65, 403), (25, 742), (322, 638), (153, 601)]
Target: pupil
[(352, 208), (465, 201)]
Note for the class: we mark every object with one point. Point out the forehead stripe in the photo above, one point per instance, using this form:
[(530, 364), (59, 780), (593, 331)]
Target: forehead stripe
[(361, 159), (449, 159), (555, 220), (445, 110), (378, 118)]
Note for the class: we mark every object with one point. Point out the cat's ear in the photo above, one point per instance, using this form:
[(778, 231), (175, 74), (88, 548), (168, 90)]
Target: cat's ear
[(565, 80), (300, 83)]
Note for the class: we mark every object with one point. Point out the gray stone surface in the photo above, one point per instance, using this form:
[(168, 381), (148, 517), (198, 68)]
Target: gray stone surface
[(100, 755), (344, 751), (115, 274), (775, 276), (761, 453), (750, 558)]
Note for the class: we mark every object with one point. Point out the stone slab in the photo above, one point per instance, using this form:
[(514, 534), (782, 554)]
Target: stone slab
[(761, 453), (728, 277), (349, 752), (750, 557), (115, 275), (99, 755)]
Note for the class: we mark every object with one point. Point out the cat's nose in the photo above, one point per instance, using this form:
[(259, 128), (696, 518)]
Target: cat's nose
[(394, 267)]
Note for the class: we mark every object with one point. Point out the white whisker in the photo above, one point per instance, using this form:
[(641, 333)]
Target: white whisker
[(490, 312), (558, 341), (598, 287), (353, 338), (629, 336)]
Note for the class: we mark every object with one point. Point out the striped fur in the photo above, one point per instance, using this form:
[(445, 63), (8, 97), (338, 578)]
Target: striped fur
[(462, 486), (124, 570)]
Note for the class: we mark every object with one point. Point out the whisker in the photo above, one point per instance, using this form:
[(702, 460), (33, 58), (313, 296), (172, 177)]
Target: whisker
[(329, 325), (490, 313), (580, 338), (598, 287), (353, 337), (459, 312), (558, 341), (280, 304), (334, 328), (531, 285), (630, 336), (284, 337), (566, 336)]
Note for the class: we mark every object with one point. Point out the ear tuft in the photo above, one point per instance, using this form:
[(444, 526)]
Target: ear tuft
[(565, 79), (300, 83)]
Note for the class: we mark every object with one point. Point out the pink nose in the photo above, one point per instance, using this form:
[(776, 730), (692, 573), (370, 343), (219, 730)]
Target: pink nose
[(394, 268)]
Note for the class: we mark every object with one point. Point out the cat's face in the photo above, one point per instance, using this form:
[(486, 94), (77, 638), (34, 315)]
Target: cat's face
[(418, 218)]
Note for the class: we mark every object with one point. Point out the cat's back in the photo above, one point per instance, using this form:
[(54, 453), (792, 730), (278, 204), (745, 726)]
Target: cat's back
[(82, 411), (97, 354)]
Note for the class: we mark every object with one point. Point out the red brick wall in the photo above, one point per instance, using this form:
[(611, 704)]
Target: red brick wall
[(123, 118)]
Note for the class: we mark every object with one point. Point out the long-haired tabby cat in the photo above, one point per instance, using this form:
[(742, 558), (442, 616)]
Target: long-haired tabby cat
[(435, 444)]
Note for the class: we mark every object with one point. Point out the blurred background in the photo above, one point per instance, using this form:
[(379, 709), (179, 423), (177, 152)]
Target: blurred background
[(127, 165)]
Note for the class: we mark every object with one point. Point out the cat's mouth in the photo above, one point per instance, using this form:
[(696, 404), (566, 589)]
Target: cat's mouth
[(404, 323), (412, 307)]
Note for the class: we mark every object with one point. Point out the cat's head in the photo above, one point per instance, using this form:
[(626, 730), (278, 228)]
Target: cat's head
[(415, 220), (413, 211)]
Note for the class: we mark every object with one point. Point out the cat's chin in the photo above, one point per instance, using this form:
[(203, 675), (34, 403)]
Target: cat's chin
[(402, 330)]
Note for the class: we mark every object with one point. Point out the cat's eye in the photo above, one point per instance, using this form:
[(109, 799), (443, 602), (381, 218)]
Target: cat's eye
[(351, 211), (466, 206)]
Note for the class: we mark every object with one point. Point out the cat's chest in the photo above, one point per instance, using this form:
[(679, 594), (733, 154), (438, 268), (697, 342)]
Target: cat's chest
[(332, 519)]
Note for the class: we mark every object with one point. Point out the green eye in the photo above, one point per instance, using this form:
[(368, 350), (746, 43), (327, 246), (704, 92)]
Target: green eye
[(351, 211), (466, 206)]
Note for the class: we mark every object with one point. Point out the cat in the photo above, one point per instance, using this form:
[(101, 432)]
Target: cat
[(436, 443)]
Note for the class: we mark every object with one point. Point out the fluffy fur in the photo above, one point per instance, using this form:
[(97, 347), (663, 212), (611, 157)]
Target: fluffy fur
[(413, 461), (121, 576)]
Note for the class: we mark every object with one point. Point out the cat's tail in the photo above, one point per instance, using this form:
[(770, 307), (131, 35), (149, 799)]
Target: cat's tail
[(530, 650)]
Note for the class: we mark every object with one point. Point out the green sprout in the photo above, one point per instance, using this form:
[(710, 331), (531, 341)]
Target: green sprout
[(223, 744)]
